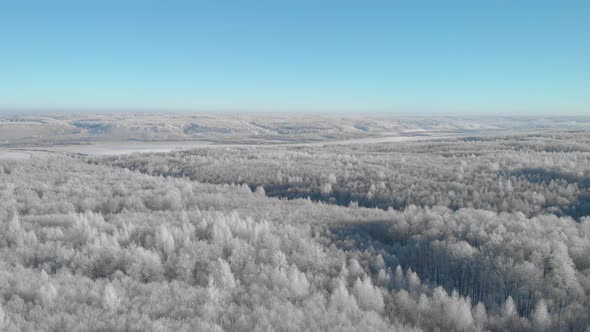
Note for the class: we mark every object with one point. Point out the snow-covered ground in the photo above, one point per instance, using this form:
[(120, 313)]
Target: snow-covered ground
[(19, 131), (129, 147), (14, 155), (121, 147)]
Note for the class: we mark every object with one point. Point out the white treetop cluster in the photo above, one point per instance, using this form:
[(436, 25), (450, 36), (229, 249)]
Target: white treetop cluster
[(478, 234), (527, 174)]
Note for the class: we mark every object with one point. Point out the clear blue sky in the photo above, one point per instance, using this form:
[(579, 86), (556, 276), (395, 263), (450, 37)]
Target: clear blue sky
[(512, 57)]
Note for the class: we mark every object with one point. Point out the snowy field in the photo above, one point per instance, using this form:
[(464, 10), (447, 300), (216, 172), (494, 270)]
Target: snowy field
[(291, 224), (117, 148), (15, 155)]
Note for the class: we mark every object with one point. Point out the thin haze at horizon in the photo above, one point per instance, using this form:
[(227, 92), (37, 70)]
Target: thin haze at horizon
[(505, 57)]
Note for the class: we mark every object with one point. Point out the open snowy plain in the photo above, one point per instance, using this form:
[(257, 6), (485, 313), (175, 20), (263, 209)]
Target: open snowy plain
[(293, 223)]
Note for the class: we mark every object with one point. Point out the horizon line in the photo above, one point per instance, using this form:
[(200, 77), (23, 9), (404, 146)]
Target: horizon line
[(407, 112)]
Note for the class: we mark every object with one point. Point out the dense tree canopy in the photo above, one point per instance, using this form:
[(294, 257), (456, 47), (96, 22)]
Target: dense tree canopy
[(459, 234)]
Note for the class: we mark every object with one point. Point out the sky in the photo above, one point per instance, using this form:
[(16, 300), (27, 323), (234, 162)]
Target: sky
[(406, 57)]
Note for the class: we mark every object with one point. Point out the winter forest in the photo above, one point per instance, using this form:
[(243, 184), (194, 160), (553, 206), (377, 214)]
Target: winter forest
[(293, 224)]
